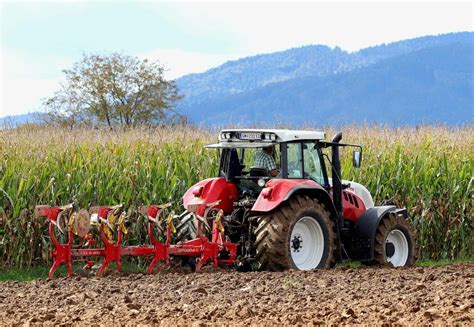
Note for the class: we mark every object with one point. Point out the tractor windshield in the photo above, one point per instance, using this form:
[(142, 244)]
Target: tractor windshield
[(248, 167), (249, 163)]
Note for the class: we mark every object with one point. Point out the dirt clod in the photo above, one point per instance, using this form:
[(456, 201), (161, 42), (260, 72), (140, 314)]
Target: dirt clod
[(385, 296), (200, 290)]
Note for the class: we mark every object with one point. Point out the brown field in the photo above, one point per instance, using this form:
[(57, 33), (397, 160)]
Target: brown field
[(434, 295)]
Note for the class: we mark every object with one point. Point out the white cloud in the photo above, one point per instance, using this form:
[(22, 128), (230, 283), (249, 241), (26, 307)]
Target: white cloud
[(24, 95), (26, 80), (267, 27), (179, 62)]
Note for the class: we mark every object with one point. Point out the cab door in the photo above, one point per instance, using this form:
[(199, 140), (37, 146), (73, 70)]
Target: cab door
[(303, 160)]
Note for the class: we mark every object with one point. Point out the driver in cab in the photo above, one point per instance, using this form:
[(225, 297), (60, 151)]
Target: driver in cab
[(264, 159)]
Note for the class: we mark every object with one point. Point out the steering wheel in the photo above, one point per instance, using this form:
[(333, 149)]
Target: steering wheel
[(259, 172)]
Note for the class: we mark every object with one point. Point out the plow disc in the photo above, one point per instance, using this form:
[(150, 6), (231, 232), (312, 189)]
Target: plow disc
[(81, 222), (110, 223)]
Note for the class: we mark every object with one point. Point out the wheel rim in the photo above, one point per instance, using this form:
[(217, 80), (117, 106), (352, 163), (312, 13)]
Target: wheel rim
[(396, 248), (307, 243)]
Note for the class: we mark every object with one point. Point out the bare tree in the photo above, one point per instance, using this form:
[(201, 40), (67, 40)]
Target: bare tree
[(114, 89)]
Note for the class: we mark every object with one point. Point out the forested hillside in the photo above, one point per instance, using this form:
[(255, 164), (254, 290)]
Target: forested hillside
[(423, 80)]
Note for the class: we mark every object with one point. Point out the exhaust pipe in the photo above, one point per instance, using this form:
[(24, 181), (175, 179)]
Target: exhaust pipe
[(336, 178)]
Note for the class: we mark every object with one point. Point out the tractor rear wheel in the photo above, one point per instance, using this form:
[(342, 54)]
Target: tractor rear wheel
[(186, 229), (299, 235), (395, 242)]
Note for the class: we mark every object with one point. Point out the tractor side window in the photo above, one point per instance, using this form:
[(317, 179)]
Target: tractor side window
[(224, 163), (312, 165), (235, 168), (230, 166), (295, 162)]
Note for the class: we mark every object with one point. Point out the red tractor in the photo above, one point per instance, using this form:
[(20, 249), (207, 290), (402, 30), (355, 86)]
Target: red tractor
[(293, 215)]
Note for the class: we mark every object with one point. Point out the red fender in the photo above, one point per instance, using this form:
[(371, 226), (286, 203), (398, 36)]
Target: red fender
[(211, 190), (278, 190)]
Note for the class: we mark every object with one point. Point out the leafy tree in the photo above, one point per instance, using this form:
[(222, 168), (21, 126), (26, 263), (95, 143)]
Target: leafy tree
[(114, 89)]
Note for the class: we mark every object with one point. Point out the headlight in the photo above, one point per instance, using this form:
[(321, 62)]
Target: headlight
[(226, 136), (269, 137), (261, 182)]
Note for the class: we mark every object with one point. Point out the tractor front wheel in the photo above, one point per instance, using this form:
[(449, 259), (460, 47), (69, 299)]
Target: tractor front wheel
[(395, 242), (299, 235)]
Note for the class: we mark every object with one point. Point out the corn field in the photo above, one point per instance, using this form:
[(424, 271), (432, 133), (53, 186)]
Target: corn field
[(427, 169)]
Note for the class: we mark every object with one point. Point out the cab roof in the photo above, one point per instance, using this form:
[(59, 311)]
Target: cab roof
[(230, 138)]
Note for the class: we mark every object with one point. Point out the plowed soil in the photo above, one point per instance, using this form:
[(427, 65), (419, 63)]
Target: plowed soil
[(435, 295)]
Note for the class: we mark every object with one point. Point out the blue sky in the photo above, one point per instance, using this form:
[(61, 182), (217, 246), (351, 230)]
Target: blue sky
[(39, 39)]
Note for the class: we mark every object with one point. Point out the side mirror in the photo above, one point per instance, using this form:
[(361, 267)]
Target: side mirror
[(356, 158)]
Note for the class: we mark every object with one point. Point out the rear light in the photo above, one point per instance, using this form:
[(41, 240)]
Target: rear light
[(267, 192), (197, 191)]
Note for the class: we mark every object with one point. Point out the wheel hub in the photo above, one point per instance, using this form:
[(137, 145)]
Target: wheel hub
[(389, 249), (396, 248), (309, 256), (296, 243)]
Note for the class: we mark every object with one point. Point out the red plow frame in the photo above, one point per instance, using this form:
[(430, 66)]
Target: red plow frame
[(216, 251)]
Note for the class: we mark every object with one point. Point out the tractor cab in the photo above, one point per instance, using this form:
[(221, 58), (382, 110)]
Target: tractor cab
[(251, 157)]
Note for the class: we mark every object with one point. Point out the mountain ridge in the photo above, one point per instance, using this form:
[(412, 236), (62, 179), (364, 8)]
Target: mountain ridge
[(220, 102)]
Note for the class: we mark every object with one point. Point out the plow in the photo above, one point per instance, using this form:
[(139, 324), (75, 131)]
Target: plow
[(110, 220), (278, 202)]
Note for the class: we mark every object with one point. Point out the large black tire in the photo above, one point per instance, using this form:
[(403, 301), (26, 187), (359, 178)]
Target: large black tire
[(273, 234), (395, 229), (187, 228)]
